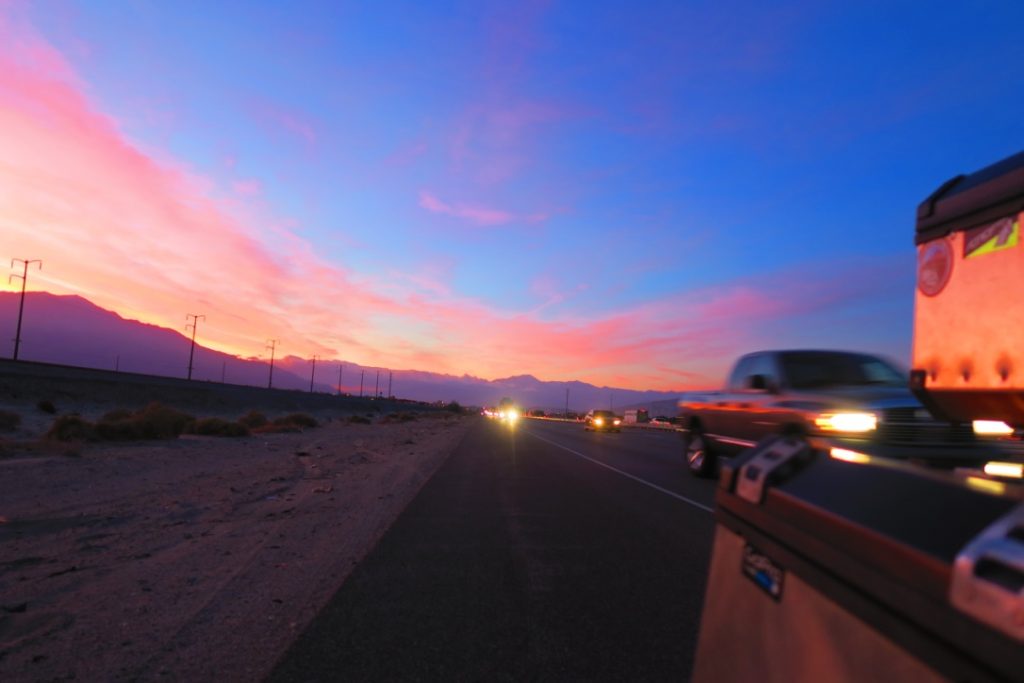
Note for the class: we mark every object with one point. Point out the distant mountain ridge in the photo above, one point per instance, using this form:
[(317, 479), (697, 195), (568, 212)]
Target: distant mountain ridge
[(71, 330)]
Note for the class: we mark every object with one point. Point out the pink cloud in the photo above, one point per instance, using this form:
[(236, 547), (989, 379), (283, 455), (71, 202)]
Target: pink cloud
[(248, 188), (293, 122), (146, 238), (475, 214)]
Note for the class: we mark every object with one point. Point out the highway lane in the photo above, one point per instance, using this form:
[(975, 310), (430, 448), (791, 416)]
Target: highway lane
[(538, 553)]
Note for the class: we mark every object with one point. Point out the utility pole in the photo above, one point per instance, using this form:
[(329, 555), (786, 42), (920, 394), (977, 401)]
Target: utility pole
[(341, 366), (361, 373), (117, 363), (272, 345), (567, 403), (376, 387), (312, 373), (21, 306), (194, 324), (223, 371), (390, 376)]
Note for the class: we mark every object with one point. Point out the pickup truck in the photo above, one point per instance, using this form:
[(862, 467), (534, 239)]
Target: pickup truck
[(836, 399)]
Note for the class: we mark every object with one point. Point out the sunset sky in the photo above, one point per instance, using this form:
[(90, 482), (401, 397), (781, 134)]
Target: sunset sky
[(624, 193)]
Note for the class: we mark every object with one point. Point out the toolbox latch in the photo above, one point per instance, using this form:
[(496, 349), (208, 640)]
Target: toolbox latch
[(771, 460), (988, 575)]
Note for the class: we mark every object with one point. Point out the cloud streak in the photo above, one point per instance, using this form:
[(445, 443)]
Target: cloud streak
[(150, 239)]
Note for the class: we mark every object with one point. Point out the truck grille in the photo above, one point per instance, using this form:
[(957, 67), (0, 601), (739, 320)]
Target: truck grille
[(910, 426)]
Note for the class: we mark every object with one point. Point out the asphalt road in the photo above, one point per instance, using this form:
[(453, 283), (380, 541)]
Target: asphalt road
[(535, 553)]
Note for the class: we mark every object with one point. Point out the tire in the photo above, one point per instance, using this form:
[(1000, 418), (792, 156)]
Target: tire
[(699, 458)]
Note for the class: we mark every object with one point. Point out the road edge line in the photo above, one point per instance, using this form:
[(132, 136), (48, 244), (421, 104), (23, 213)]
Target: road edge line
[(626, 474)]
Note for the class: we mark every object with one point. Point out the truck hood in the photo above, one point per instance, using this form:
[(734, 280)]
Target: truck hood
[(873, 397)]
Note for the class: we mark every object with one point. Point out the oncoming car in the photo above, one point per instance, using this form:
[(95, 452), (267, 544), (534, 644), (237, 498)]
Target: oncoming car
[(602, 421)]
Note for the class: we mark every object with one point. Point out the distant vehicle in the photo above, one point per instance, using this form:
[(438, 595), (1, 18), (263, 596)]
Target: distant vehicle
[(836, 399), (661, 421), (632, 417), (602, 421)]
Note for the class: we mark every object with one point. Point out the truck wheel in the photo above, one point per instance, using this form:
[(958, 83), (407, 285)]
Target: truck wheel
[(699, 459)]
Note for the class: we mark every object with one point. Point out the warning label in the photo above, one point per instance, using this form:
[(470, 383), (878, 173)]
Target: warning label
[(1002, 234)]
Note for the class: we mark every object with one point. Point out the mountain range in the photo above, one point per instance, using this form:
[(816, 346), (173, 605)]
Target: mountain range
[(71, 330)]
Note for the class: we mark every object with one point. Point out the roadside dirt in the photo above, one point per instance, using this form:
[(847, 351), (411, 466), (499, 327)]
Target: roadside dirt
[(198, 558)]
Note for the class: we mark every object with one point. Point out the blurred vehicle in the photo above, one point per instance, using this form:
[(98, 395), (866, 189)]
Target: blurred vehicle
[(602, 421), (632, 417), (661, 421), (834, 399)]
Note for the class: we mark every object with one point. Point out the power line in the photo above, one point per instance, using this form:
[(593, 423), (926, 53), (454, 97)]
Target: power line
[(194, 324), (21, 306), (272, 345)]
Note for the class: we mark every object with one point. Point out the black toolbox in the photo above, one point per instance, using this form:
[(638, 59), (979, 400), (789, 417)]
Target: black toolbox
[(861, 570)]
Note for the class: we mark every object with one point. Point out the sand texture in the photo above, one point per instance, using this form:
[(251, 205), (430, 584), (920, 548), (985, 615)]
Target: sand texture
[(198, 558)]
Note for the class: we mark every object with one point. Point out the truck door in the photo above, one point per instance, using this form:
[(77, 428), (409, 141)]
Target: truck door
[(755, 415)]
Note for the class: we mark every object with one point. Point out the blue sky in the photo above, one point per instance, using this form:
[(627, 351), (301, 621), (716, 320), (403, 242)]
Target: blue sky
[(627, 193)]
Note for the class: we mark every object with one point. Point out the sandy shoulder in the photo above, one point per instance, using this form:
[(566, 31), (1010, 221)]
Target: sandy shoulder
[(198, 558)]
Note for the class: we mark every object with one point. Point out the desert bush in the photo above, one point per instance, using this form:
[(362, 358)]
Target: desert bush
[(164, 422), (253, 419), (155, 421), (9, 421), (391, 418), (274, 428), (215, 426), (454, 407), (47, 407), (359, 420), (297, 420), (70, 428)]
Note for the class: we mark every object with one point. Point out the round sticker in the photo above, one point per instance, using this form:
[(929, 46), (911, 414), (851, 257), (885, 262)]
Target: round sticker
[(934, 266)]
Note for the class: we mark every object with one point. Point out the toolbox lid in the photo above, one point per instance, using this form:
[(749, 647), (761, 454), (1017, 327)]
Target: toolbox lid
[(965, 201)]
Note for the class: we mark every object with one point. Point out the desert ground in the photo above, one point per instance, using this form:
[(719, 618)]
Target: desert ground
[(193, 558)]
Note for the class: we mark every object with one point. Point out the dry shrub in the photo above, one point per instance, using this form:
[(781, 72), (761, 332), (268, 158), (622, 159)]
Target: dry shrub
[(215, 426), (297, 420), (274, 428), (9, 421), (155, 421), (71, 428), (47, 407), (359, 420), (392, 418), (253, 419)]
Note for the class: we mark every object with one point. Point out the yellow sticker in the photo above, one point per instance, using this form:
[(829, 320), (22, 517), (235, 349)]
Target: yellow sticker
[(1001, 234)]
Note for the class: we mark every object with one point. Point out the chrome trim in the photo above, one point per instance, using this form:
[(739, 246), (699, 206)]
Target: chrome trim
[(998, 605), (732, 441)]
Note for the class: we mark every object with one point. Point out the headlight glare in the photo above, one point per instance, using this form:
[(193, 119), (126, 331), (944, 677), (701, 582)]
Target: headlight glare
[(847, 422), (992, 427)]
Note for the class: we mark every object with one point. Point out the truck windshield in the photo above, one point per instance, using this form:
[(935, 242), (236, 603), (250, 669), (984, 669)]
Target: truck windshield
[(810, 369)]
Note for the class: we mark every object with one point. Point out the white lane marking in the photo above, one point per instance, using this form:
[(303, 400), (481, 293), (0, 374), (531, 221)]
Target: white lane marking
[(625, 474)]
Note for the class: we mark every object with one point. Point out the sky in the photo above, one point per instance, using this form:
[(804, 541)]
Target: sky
[(628, 194)]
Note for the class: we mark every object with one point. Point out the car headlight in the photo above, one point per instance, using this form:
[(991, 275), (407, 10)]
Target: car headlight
[(513, 415), (618, 422), (992, 427), (847, 422), (599, 421)]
